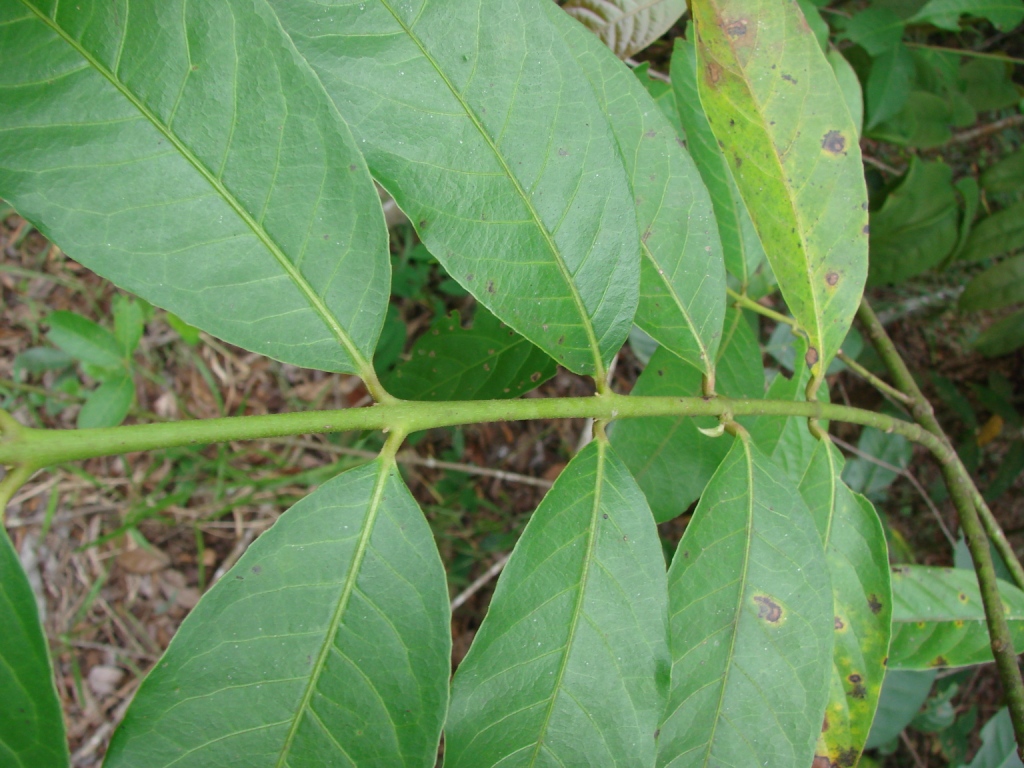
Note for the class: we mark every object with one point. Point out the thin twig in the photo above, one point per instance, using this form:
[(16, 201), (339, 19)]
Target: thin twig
[(481, 581), (981, 131), (882, 166), (902, 472), (963, 52), (882, 386)]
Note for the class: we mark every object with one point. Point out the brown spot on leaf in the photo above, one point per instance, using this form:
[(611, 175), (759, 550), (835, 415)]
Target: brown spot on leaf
[(848, 758), (713, 73), (561, 339), (867, 229), (834, 142), (490, 286), (789, 79), (736, 28), (824, 724), (874, 603), (646, 235), (858, 692), (832, 278), (535, 377), (651, 134), (423, 223), (562, 152), (962, 597), (469, 278), (820, 761), (686, 554), (855, 678), (939, 661), (739, 161), (257, 569), (812, 356), (768, 609), (838, 624)]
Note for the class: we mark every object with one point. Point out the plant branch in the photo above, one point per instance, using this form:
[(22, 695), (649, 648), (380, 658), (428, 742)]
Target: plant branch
[(965, 496), (37, 448)]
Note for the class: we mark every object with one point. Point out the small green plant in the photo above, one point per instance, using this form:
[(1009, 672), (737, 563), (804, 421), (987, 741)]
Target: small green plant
[(218, 158)]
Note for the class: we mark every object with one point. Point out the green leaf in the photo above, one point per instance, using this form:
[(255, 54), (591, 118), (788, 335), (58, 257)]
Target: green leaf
[(40, 360), (1002, 337), (570, 665), (939, 621), (522, 199), (775, 105), (669, 457), (626, 26), (903, 693), (741, 247), (751, 624), (871, 478), (876, 29), (945, 14), (31, 722), (682, 275), (662, 93), (129, 323), (970, 194), (328, 643), (1005, 176), (996, 287), (924, 122), (84, 340), (247, 211), (487, 361), (917, 226), (109, 403), (817, 24), (858, 563), (849, 84), (189, 333), (998, 744), (996, 234), (888, 86), (988, 84)]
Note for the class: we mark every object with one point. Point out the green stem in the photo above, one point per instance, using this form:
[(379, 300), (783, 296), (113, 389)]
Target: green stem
[(965, 498), (742, 300), (39, 448), (882, 386)]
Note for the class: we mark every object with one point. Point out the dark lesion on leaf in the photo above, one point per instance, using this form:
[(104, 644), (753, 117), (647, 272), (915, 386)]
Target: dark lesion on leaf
[(834, 143), (768, 609), (832, 278), (713, 72), (737, 28), (811, 357), (874, 604), (838, 624)]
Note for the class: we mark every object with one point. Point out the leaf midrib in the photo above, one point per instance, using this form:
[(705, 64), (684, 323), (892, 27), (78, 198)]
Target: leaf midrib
[(819, 331), (577, 610), (373, 508), (599, 370), (300, 282), (748, 460)]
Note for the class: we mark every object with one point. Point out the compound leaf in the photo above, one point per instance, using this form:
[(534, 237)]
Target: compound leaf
[(184, 151), (773, 101), (939, 621), (31, 722), (751, 623), (570, 666), (682, 275), (472, 116), (626, 26), (328, 643), (487, 361)]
